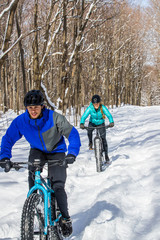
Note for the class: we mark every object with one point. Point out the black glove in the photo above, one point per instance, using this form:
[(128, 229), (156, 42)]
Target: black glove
[(70, 158), (82, 126), (6, 164), (111, 124)]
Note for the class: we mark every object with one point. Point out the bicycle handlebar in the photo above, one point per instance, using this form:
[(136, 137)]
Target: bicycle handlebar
[(18, 165), (37, 163), (97, 127)]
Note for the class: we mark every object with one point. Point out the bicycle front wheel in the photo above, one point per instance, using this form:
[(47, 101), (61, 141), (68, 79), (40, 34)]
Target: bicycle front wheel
[(32, 222), (98, 153)]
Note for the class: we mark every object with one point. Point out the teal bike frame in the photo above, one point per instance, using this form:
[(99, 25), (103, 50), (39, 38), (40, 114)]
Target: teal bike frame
[(44, 188), (46, 191)]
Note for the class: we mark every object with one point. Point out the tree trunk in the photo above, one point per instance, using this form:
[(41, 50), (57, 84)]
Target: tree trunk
[(36, 70), (22, 57), (8, 32)]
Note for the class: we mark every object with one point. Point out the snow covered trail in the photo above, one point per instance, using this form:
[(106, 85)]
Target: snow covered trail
[(121, 203)]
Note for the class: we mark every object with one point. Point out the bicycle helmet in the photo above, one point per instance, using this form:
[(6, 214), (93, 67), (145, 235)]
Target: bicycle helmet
[(96, 99), (33, 97)]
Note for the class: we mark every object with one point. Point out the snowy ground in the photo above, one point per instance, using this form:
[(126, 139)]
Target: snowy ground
[(121, 203)]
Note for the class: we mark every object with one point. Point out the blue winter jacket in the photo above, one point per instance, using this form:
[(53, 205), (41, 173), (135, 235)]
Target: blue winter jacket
[(96, 116), (46, 134)]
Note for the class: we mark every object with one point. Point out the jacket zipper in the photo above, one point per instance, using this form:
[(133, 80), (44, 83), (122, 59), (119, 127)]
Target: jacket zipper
[(39, 135)]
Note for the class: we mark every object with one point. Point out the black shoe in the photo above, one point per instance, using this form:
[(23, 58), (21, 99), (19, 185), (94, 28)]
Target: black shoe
[(90, 146), (66, 226), (107, 161)]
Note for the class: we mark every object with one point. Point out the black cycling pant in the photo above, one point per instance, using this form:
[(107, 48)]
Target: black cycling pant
[(102, 132), (57, 175)]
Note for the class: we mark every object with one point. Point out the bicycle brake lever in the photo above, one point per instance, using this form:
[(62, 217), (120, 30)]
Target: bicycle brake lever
[(17, 168), (63, 163)]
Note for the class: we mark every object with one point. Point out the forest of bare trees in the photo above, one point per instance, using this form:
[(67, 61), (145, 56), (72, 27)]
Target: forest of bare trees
[(72, 49)]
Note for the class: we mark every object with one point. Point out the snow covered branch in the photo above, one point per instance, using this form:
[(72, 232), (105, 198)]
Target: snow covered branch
[(22, 36), (12, 5)]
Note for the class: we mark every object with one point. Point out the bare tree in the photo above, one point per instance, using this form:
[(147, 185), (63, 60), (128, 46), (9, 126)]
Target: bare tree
[(74, 49), (8, 31)]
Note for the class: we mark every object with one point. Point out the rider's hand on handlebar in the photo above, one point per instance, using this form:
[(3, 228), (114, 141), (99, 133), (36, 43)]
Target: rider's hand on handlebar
[(82, 126), (70, 158), (111, 124), (6, 164)]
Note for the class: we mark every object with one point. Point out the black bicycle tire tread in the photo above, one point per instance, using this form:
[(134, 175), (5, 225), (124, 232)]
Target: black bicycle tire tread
[(24, 216), (98, 158), (28, 213)]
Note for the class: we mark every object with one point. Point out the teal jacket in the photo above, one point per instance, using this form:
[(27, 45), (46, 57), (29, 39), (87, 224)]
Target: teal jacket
[(96, 116)]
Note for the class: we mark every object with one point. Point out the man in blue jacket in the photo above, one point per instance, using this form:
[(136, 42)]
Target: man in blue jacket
[(97, 112), (44, 129)]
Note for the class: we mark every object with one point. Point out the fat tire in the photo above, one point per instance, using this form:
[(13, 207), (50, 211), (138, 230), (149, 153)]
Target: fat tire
[(29, 212), (98, 153)]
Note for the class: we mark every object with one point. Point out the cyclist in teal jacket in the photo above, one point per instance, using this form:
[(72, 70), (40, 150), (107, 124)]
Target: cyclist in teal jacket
[(97, 113)]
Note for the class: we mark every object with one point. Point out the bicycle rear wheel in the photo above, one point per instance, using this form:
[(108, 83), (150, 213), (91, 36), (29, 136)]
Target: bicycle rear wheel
[(98, 153), (32, 222)]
